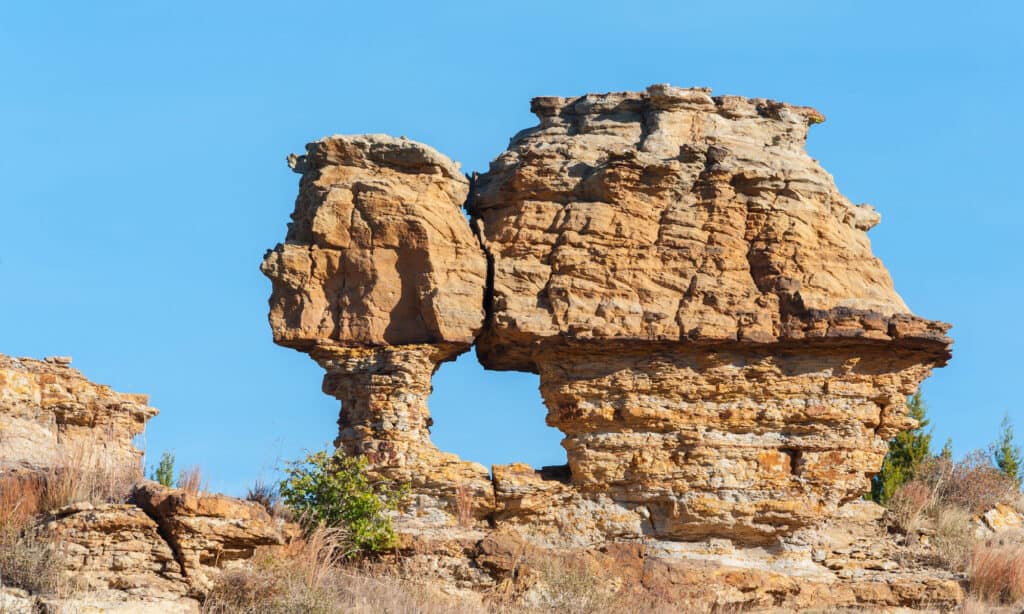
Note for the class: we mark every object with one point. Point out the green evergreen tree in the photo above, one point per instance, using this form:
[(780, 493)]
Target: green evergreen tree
[(1006, 454), (164, 471), (947, 450), (906, 451)]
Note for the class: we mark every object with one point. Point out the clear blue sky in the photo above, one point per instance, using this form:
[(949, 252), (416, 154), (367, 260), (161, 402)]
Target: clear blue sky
[(142, 176)]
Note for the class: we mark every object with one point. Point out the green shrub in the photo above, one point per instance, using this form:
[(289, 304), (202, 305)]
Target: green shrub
[(334, 490), (164, 471)]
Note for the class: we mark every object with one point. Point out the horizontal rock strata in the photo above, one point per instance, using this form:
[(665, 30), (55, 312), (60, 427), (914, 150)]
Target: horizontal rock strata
[(52, 416), (713, 335), (380, 279)]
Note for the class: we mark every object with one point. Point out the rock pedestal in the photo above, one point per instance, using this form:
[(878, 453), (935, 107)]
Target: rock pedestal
[(713, 335)]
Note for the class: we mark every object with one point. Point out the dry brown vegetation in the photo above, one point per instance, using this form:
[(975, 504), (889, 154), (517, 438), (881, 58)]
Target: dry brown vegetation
[(942, 502), (191, 481), (27, 561), (309, 575), (997, 569)]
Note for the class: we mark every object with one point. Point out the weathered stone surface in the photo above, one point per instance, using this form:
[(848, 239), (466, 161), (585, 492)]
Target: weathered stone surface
[(116, 547), (713, 335), (206, 531), (51, 415), (672, 215), (380, 279), (378, 252)]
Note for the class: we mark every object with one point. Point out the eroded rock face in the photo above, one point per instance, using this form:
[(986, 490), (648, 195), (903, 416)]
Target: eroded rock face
[(672, 215), (713, 335), (116, 547), (378, 252), (380, 279), (51, 415), (206, 531)]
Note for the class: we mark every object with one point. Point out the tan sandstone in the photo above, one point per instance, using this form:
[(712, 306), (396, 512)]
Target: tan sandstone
[(380, 279), (713, 335), (51, 415)]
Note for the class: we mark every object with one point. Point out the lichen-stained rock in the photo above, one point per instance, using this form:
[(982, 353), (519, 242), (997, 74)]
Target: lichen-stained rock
[(381, 279), (378, 252), (208, 530), (712, 333), (51, 415)]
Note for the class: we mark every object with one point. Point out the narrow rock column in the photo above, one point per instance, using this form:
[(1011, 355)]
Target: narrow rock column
[(384, 417)]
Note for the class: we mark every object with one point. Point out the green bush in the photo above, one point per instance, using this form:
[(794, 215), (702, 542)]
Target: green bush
[(164, 471), (334, 490)]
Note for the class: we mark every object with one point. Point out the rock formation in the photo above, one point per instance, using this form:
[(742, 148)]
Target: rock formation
[(142, 549), (51, 415), (380, 279), (713, 335)]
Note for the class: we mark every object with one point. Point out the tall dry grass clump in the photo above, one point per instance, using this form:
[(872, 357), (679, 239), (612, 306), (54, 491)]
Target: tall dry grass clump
[(311, 575), (190, 480), (997, 569), (28, 560), (84, 471)]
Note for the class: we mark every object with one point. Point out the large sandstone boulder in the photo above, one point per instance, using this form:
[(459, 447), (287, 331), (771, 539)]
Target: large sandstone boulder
[(712, 333), (378, 252), (206, 531)]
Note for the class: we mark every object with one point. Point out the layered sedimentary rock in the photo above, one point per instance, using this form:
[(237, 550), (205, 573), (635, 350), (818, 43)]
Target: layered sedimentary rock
[(142, 549), (206, 531), (380, 280), (712, 333), (116, 548), (51, 415)]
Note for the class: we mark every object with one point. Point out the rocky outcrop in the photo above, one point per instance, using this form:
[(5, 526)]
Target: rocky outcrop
[(154, 549), (713, 335), (52, 416), (206, 531), (116, 551)]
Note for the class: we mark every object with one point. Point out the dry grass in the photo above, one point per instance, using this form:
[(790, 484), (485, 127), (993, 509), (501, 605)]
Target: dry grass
[(971, 484), (574, 587), (27, 560), (953, 538), (909, 504), (945, 497), (191, 481), (84, 472), (310, 576), (997, 569)]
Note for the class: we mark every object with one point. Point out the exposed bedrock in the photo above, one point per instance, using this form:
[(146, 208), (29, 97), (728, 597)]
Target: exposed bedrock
[(712, 333), (52, 416)]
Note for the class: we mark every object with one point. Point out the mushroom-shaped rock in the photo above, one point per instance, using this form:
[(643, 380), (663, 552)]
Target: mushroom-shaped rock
[(712, 332), (380, 279)]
